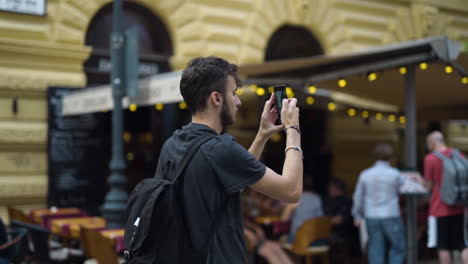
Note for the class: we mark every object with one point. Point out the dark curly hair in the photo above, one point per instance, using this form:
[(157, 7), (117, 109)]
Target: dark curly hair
[(202, 76)]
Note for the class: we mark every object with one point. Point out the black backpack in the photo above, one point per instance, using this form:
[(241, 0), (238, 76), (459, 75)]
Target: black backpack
[(155, 231)]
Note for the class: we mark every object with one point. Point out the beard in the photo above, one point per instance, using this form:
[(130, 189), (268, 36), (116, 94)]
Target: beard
[(226, 117)]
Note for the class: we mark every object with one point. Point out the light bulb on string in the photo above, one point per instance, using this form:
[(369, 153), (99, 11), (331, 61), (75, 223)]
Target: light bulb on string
[(391, 118), (312, 89), (240, 91), (260, 91), (351, 112), (372, 76), (423, 66), (448, 69), (365, 114), (159, 107), (331, 106), (342, 83), (464, 80), (132, 107), (379, 116), (289, 92), (183, 105), (276, 137), (271, 89), (402, 119), (310, 100), (403, 70)]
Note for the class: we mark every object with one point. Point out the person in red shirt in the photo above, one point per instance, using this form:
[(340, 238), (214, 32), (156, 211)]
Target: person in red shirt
[(446, 228)]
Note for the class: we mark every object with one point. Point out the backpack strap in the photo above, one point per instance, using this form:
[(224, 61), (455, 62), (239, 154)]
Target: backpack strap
[(191, 151), (439, 155)]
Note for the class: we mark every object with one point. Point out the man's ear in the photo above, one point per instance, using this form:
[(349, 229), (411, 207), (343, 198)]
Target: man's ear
[(216, 98)]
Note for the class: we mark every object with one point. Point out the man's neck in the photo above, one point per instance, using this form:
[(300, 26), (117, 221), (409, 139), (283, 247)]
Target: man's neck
[(440, 148), (211, 122)]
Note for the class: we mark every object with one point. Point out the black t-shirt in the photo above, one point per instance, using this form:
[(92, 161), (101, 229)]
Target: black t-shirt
[(217, 173)]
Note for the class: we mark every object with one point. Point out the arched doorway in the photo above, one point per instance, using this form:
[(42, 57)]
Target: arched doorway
[(145, 127), (290, 42)]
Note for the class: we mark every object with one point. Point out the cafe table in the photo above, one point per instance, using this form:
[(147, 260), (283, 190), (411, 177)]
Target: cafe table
[(42, 216), (273, 226), (70, 227)]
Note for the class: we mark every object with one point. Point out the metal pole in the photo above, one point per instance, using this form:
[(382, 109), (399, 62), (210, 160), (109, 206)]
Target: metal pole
[(411, 160), (115, 201)]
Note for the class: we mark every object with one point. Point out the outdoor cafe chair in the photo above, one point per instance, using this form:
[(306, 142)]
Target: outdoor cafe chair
[(19, 215), (313, 230), (98, 247), (15, 249)]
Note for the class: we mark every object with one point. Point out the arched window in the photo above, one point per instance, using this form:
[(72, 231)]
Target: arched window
[(292, 42), (155, 45)]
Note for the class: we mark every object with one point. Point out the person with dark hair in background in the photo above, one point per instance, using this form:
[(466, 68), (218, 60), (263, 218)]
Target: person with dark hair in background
[(376, 199), (344, 236), (221, 168)]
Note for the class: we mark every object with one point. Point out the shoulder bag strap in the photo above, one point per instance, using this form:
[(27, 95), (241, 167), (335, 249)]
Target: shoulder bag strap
[(192, 149)]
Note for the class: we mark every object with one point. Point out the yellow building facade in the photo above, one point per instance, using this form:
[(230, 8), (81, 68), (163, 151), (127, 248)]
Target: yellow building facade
[(37, 52)]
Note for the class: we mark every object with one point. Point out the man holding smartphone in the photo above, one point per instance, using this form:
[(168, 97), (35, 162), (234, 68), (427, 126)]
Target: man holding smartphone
[(221, 168)]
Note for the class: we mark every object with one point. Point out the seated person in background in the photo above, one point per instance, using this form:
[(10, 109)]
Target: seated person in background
[(309, 207), (270, 250), (344, 235)]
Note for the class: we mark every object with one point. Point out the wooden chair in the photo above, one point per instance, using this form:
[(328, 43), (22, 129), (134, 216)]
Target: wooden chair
[(98, 247), (310, 231), (18, 215)]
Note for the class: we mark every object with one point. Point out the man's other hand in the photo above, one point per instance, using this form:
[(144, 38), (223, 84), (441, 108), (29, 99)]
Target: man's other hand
[(269, 116)]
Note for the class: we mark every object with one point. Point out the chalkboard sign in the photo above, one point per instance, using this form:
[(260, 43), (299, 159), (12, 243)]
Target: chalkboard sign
[(78, 156)]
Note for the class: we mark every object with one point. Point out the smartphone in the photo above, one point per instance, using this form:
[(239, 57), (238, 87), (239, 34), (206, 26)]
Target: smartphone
[(280, 95)]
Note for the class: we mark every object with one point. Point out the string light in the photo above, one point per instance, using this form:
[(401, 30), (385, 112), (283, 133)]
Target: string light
[(379, 116), (331, 106), (240, 91), (276, 137), (403, 70), (448, 69), (182, 105), (289, 92), (253, 87), (260, 91), (351, 112), (464, 80), (391, 118), (372, 76), (159, 107), (132, 107), (423, 66), (402, 119), (365, 114), (342, 83), (127, 136), (310, 100), (271, 89), (312, 89), (130, 156)]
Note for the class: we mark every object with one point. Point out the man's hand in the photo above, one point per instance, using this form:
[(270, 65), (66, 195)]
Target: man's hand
[(269, 116), (290, 113)]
